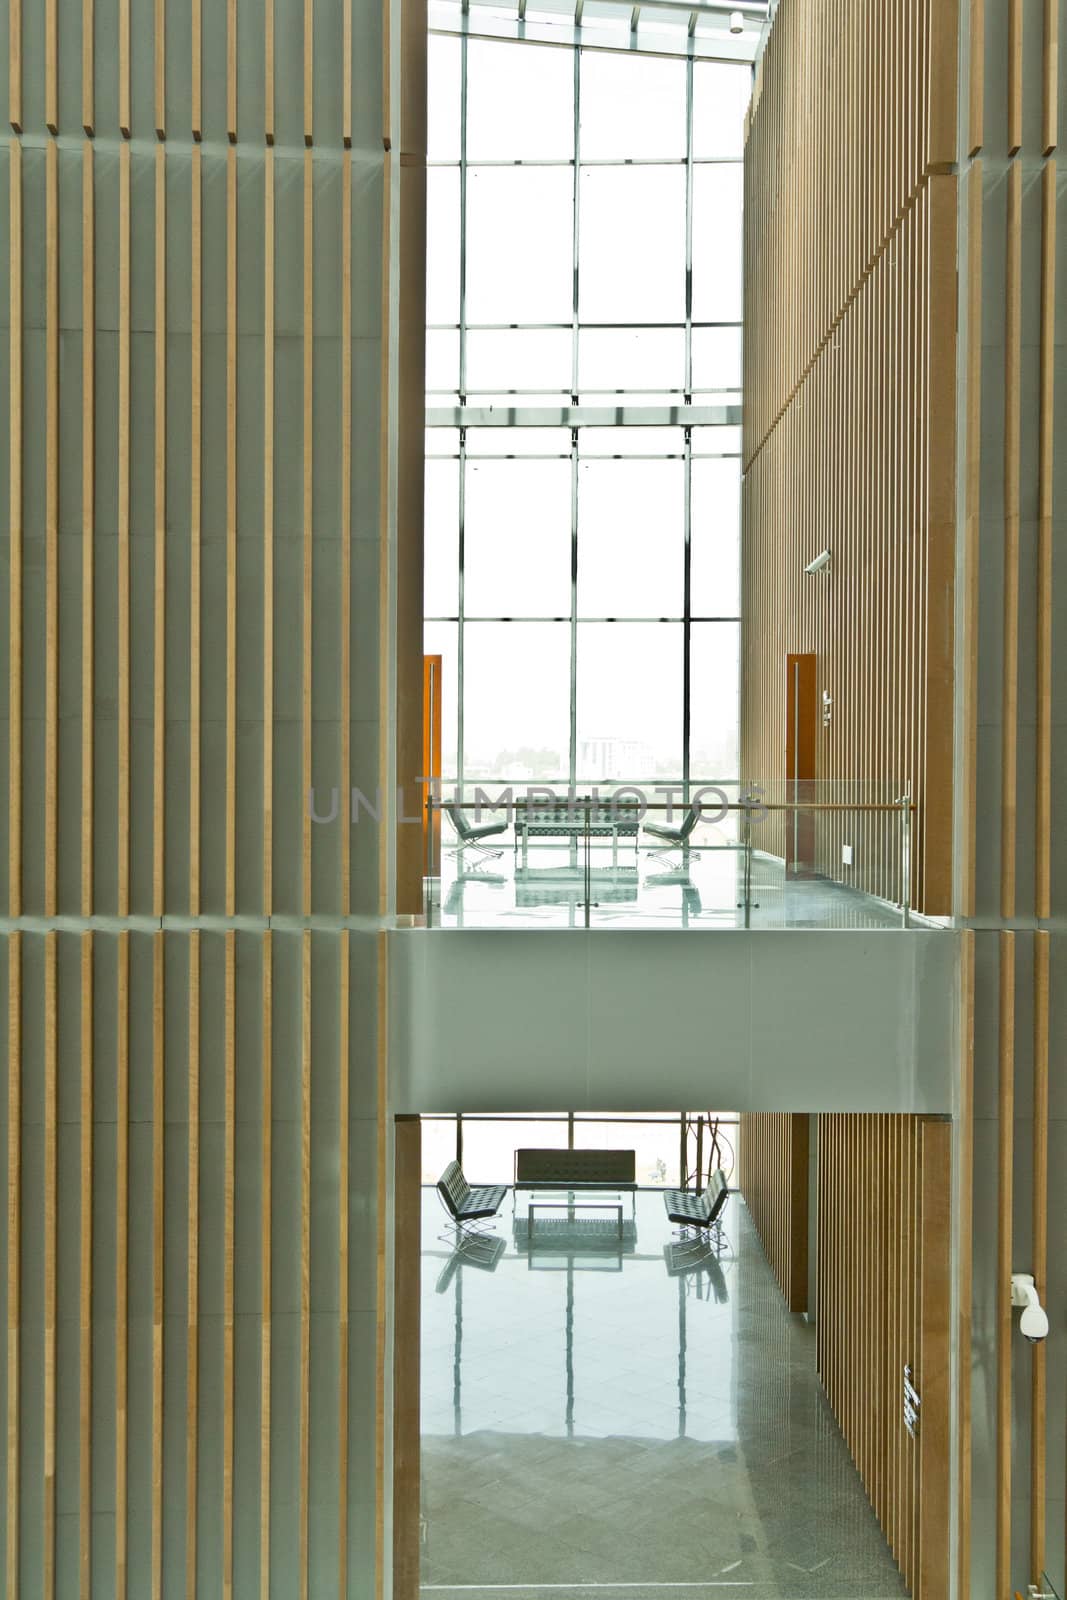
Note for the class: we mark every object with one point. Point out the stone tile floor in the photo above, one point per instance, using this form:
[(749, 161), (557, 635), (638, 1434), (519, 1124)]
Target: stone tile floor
[(596, 1424)]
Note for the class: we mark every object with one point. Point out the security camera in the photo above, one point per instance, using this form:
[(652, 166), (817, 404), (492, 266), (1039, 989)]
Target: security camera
[(737, 22), (820, 564), (1033, 1324)]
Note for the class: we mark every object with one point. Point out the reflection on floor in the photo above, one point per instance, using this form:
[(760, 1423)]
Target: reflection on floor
[(602, 1415), (642, 892)]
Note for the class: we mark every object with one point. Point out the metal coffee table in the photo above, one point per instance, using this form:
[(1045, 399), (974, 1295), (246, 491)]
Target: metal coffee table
[(570, 1202)]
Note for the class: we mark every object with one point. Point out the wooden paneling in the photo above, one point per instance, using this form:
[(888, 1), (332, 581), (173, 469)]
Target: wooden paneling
[(14, 753), (192, 1289), (1045, 511), (965, 1265), (870, 115), (849, 438), (1009, 726), (879, 621), (1039, 1259), (407, 1194), (773, 1166), (885, 1302), (231, 530), (85, 1279), (159, 634), (51, 671), (88, 517), (1005, 1236), (196, 380), (266, 1297), (158, 1156), (161, 710), (14, 1257)]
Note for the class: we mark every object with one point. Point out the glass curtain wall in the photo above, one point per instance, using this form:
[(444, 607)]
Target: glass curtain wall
[(584, 290)]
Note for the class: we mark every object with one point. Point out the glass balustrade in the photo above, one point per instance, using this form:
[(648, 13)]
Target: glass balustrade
[(698, 854)]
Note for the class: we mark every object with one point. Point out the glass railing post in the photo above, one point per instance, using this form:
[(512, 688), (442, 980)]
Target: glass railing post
[(429, 856), (905, 856), (588, 865)]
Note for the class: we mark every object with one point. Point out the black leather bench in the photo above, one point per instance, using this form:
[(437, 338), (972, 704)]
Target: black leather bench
[(691, 1210), (575, 1170), (466, 1206)]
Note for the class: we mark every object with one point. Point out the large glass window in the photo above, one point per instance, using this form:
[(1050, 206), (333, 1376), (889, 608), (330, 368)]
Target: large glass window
[(583, 372)]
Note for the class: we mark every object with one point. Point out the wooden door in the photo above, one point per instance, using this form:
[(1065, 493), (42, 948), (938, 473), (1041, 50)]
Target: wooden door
[(801, 725)]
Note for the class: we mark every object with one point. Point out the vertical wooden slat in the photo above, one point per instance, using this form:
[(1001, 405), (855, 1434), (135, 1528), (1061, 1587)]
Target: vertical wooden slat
[(268, 70), (88, 67), (231, 70), (268, 533), (346, 73), (196, 58), (1015, 76), (51, 671), (231, 531), (122, 1230), (48, 1551), (85, 1281), (385, 612), (965, 1264), (228, 1189), (88, 519), (123, 799), (346, 525), (1005, 1192), (342, 1266), (14, 790), (14, 1257), (309, 78), (160, 68), (158, 1137), (935, 1371), (1012, 430), (976, 80), (1050, 77), (192, 1296), (51, 66), (1046, 457), (1039, 1260), (195, 491), (308, 463), (972, 510), (159, 709), (125, 127), (305, 1265), (381, 1262), (265, 1272), (14, 63)]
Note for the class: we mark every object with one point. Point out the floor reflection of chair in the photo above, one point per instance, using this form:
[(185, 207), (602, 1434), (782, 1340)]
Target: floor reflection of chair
[(483, 880), (680, 879), (480, 1251), (698, 1261)]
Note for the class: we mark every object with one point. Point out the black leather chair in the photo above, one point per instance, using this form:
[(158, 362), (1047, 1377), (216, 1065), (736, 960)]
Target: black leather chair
[(668, 838), (469, 1210), (691, 1210), (472, 836)]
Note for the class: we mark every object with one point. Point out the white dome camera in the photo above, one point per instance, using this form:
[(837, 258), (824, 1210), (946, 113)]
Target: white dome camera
[(1033, 1324)]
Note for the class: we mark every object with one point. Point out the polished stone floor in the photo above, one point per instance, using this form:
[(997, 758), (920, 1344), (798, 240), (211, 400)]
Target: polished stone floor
[(643, 891), (629, 1418)]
